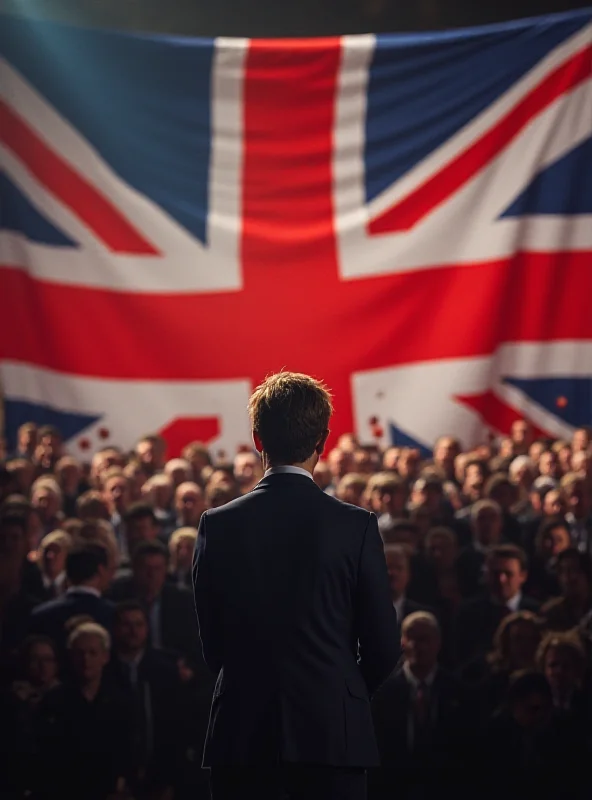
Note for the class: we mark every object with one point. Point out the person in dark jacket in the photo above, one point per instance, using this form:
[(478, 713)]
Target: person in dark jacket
[(295, 615)]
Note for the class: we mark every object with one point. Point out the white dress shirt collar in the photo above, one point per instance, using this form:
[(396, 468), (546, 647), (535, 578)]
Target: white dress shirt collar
[(287, 470), (415, 681), (399, 604), (83, 590), (514, 602)]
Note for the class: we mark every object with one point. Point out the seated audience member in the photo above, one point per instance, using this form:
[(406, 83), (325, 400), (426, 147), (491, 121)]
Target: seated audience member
[(248, 470), (441, 550), (366, 460), (103, 461), (87, 574), (390, 459), (16, 603), (352, 489), (49, 448), (169, 609), (386, 496), (399, 575), (446, 449), (549, 465), (92, 505), (190, 503), (26, 441), (552, 539), (428, 493), (198, 456), (562, 660), (46, 499), (409, 465), (151, 453), (419, 716), (151, 681), (475, 473), (117, 497), (137, 477), (515, 646), (51, 562), (140, 525), (486, 528), (83, 728), (179, 470), (158, 492), (581, 464), (506, 571), (68, 472), (500, 489), (217, 496), (574, 574), (530, 750), (340, 463), (578, 499), (522, 435), (552, 506), (522, 472), (181, 547), (422, 587)]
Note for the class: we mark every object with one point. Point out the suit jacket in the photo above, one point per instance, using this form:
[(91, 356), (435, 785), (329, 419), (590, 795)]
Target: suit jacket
[(296, 615), (477, 621), (50, 618), (443, 747), (178, 630)]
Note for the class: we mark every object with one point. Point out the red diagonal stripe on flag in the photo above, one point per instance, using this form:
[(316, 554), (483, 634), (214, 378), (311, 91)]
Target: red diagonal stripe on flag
[(409, 211), (497, 414), (83, 199)]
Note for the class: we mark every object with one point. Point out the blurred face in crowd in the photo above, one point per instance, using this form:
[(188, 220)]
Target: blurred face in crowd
[(445, 452), (487, 526), (365, 462), (572, 580), (41, 665), (340, 463), (130, 632), (553, 504), (27, 439), (398, 572), (151, 455), (190, 503), (421, 646), (54, 560), (535, 451), (150, 573), (218, 496), (143, 529), (388, 500), (117, 494), (504, 494), (460, 463), (409, 464), (48, 450), (556, 541), (523, 639), (562, 670), (428, 495), (24, 474), (88, 657), (548, 464), (521, 436), (390, 459), (474, 481), (13, 543), (505, 578), (46, 502), (352, 492), (322, 475), (580, 440), (69, 474), (581, 463), (578, 499), (184, 553), (564, 457), (442, 550), (220, 477), (248, 469)]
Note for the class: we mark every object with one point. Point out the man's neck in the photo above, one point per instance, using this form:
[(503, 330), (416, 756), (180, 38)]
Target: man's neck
[(422, 672), (130, 655), (90, 689)]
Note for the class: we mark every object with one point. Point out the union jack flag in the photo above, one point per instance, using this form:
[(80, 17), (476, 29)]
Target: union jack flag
[(407, 217)]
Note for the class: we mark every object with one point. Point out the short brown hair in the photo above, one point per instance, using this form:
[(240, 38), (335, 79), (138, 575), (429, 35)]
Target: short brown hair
[(290, 414), (509, 552)]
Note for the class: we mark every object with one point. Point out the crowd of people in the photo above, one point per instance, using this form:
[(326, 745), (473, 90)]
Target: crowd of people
[(103, 688)]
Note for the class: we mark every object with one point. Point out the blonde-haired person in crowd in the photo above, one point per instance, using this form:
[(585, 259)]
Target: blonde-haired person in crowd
[(181, 547), (51, 560), (46, 499)]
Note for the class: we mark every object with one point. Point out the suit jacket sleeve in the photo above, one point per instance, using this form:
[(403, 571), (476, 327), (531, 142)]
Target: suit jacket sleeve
[(203, 590), (378, 636)]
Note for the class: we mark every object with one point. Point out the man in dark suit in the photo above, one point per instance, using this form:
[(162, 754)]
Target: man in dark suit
[(87, 574), (506, 570), (169, 609), (420, 715), (398, 564), (295, 615)]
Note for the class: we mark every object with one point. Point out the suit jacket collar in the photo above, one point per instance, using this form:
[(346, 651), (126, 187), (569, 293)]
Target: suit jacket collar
[(285, 479)]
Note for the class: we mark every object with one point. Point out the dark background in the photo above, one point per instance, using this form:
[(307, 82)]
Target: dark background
[(285, 17)]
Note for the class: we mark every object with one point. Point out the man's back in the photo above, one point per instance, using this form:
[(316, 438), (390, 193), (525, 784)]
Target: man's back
[(51, 617), (287, 581)]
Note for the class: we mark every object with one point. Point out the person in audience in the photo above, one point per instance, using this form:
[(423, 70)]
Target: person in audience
[(151, 682), (151, 453), (248, 470), (409, 465), (552, 539), (181, 548), (386, 496), (179, 470), (522, 436), (26, 441), (322, 476), (578, 499), (46, 499), (486, 528), (390, 459), (68, 472), (140, 525), (581, 439), (22, 471), (340, 463), (446, 449), (549, 465), (500, 489), (88, 719), (574, 574), (158, 493), (352, 489), (117, 497), (420, 716), (48, 449), (190, 503), (51, 561), (92, 505), (87, 574), (217, 496), (399, 573), (506, 570), (169, 609), (562, 659)]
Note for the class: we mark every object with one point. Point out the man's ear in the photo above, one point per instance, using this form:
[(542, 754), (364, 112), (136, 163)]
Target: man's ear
[(258, 443), (321, 443)]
